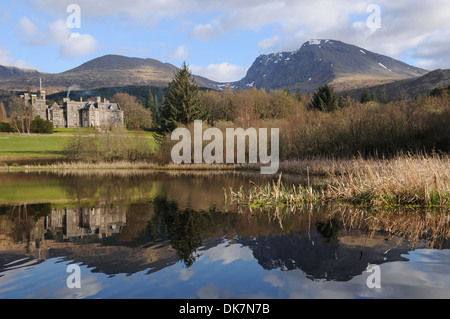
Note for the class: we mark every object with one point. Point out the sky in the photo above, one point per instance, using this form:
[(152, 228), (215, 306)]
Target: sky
[(217, 39)]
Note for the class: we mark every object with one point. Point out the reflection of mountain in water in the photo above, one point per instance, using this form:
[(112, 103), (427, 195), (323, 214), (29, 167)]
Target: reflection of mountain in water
[(321, 259), (150, 236)]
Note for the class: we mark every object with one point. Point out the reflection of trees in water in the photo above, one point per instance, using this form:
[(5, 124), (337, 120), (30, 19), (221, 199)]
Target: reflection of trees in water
[(184, 228), (161, 221)]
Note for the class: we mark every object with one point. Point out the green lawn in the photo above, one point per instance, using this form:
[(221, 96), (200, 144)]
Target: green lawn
[(23, 146), (32, 146)]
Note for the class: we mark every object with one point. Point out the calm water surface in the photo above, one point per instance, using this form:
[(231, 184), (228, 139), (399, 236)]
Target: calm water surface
[(170, 235)]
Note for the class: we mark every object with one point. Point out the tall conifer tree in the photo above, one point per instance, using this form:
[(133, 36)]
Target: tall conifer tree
[(181, 104)]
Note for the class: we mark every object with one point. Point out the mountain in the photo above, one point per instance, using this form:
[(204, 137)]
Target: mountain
[(318, 62), (9, 71), (102, 72), (411, 87)]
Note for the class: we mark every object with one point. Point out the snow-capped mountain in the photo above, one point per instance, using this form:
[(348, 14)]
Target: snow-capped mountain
[(318, 62)]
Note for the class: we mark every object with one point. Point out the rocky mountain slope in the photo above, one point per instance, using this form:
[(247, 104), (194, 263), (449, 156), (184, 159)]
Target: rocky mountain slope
[(318, 62)]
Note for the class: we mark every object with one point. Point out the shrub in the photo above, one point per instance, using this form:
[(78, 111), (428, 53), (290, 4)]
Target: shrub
[(6, 127), (41, 126)]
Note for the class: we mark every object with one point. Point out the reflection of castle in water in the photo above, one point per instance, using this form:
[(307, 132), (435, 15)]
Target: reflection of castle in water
[(72, 223)]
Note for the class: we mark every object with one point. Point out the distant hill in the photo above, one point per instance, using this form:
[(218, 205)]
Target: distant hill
[(106, 71), (318, 62), (410, 87), (7, 72)]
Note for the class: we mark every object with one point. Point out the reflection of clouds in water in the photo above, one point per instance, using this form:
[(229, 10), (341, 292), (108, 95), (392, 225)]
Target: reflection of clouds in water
[(48, 280), (228, 253), (424, 276), (185, 274), (274, 280), (90, 286)]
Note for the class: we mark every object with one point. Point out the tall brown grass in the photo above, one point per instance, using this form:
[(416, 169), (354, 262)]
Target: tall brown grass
[(404, 180)]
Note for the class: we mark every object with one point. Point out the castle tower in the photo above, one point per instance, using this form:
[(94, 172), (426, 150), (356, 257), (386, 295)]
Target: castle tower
[(41, 91), (37, 102)]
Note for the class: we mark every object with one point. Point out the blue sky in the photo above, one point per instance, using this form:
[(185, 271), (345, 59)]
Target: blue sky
[(217, 39)]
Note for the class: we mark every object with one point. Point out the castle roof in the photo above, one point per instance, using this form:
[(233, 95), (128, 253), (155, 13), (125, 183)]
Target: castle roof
[(95, 105), (55, 106)]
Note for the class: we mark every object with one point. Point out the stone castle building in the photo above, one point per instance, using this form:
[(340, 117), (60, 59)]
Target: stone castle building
[(100, 113)]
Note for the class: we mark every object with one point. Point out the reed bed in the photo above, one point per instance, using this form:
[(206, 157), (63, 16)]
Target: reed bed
[(401, 181), (405, 180), (275, 194)]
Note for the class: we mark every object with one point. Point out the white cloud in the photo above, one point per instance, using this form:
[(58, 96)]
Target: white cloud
[(271, 44), (223, 72), (203, 32), (27, 27), (6, 60), (70, 44), (181, 53), (433, 54), (407, 26), (78, 45)]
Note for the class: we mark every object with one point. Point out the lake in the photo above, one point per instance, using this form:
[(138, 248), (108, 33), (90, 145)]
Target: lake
[(156, 235)]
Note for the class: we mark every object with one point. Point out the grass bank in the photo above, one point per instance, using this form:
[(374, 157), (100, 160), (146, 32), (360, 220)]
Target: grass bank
[(43, 149)]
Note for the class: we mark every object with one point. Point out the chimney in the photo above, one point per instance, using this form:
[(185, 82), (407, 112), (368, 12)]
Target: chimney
[(81, 99), (99, 99), (65, 100)]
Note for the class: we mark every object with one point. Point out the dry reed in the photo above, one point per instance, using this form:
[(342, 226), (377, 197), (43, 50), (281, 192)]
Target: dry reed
[(402, 181)]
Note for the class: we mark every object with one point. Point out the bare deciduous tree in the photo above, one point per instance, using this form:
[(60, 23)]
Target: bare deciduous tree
[(21, 115), (135, 115)]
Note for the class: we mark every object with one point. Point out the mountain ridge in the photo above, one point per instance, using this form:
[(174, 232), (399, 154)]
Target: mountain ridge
[(347, 67), (105, 71), (322, 61), (410, 87)]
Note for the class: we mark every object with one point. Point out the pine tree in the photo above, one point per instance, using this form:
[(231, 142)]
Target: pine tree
[(384, 97), (365, 97), (181, 104), (153, 107), (150, 100), (373, 97), (344, 100), (324, 99)]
